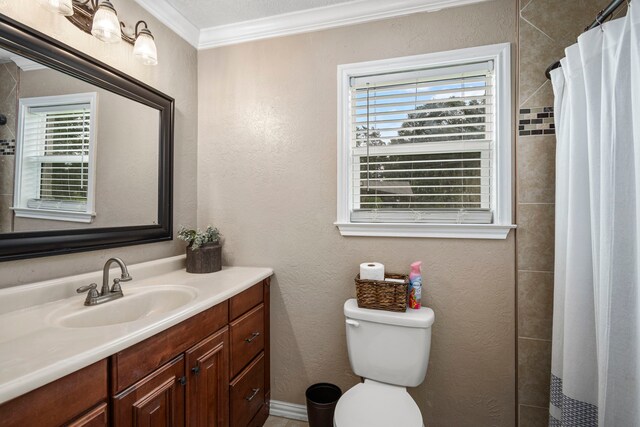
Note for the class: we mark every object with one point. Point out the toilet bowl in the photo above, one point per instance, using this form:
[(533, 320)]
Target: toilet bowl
[(391, 352), (374, 404)]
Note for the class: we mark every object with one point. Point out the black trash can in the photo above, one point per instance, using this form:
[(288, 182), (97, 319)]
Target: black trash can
[(322, 399)]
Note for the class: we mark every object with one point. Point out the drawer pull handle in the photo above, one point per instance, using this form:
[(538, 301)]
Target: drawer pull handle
[(252, 337), (255, 392)]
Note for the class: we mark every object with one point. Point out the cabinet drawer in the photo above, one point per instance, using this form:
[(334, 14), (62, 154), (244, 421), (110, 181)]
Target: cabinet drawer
[(247, 339), (261, 416), (247, 393), (245, 301)]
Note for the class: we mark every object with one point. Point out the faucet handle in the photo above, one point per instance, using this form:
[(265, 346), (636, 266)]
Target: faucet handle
[(116, 285), (93, 294), (92, 287)]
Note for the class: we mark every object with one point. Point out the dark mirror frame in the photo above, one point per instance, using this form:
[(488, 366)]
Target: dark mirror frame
[(36, 46)]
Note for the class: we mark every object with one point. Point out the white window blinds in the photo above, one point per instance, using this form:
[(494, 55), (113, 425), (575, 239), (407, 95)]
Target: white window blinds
[(56, 143), (422, 145), (55, 158)]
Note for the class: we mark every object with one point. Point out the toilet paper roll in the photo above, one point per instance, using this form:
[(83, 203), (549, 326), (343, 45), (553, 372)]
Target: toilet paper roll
[(371, 271)]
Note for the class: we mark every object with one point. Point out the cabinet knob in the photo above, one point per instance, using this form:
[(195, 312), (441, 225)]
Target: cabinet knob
[(182, 380), (196, 369), (252, 337), (255, 392)]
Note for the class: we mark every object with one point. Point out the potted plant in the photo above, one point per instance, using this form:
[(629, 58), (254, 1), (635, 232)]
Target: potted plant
[(204, 251)]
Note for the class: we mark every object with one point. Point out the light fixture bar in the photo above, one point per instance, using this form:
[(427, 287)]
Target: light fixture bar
[(100, 20)]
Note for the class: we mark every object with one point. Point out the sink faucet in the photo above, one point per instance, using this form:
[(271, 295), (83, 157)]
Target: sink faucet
[(94, 297), (124, 276)]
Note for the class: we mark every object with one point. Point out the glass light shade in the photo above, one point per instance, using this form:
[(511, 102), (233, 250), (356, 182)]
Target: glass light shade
[(145, 49), (63, 7), (106, 26)]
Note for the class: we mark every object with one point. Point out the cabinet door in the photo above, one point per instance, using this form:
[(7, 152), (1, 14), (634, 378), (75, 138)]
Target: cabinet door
[(208, 384), (97, 417), (155, 401)]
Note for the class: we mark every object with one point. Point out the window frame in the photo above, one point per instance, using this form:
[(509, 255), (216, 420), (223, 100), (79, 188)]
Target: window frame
[(89, 213), (501, 189)]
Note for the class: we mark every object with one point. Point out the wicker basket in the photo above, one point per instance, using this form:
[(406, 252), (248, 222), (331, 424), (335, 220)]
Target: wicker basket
[(383, 295)]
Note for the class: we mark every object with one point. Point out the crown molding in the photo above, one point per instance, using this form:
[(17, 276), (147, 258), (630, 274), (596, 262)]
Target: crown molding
[(337, 15), (26, 64), (23, 63), (172, 18), (308, 20)]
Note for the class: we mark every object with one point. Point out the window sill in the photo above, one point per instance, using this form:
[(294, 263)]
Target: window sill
[(442, 231), (54, 215)]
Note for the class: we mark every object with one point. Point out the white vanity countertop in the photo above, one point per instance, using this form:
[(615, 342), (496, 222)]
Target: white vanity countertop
[(35, 350)]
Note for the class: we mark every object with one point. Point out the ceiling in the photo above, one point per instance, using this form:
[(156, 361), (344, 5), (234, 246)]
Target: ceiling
[(212, 13)]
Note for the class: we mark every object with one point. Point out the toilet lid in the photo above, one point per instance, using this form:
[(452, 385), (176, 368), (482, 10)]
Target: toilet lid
[(374, 404)]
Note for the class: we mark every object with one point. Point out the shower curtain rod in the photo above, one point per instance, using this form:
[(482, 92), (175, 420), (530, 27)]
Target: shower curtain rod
[(600, 18)]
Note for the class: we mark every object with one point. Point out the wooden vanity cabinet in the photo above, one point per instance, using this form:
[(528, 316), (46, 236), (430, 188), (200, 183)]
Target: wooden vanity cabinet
[(208, 371)]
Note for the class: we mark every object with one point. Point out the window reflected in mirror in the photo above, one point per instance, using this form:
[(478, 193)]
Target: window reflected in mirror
[(55, 158)]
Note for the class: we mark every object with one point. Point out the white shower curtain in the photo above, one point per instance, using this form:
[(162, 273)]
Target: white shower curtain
[(596, 321)]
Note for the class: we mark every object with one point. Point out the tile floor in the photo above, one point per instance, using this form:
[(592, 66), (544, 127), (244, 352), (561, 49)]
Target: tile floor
[(284, 422)]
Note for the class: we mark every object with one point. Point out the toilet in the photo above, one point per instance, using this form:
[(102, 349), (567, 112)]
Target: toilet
[(390, 351)]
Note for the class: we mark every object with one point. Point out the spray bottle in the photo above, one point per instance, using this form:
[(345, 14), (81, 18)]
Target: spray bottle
[(415, 285)]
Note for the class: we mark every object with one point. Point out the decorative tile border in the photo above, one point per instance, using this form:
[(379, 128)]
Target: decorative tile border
[(7, 147), (536, 121)]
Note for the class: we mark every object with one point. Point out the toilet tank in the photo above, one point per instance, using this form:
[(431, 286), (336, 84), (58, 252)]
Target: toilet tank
[(389, 347)]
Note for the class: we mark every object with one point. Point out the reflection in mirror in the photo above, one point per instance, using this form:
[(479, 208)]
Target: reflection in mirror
[(73, 155)]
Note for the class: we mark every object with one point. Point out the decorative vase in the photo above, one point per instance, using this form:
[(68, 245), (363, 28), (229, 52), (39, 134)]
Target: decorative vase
[(206, 259)]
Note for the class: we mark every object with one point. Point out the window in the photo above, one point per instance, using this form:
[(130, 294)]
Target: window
[(55, 158), (424, 145)]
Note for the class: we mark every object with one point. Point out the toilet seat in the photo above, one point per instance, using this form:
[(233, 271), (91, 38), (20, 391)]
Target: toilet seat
[(375, 404)]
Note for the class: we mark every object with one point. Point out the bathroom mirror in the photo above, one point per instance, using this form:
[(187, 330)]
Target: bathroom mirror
[(85, 151)]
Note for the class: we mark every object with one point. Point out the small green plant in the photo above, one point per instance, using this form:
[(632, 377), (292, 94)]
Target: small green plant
[(196, 238)]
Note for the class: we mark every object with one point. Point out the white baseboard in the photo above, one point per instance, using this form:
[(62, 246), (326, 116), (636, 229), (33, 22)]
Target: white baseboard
[(292, 411)]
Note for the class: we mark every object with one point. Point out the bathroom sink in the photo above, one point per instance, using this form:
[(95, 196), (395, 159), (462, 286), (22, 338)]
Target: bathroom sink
[(136, 304)]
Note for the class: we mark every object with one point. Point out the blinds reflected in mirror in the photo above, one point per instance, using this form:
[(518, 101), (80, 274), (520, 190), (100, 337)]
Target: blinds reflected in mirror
[(54, 157), (56, 141)]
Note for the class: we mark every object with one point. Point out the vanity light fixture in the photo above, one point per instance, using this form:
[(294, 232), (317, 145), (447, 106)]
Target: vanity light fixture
[(106, 26), (145, 47), (100, 19)]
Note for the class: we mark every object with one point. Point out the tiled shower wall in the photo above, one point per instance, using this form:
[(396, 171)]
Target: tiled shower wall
[(8, 107), (546, 28)]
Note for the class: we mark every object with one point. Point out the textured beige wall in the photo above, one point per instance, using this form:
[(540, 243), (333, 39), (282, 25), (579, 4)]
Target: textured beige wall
[(267, 179), (126, 156), (176, 75)]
